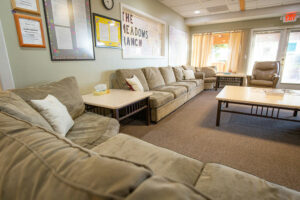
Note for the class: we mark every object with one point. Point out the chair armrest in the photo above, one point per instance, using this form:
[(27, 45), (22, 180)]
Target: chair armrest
[(200, 75), (275, 79)]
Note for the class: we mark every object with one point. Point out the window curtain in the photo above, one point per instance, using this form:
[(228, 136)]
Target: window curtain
[(201, 48), (236, 46)]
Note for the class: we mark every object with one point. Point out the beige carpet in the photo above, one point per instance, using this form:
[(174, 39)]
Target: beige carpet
[(267, 148)]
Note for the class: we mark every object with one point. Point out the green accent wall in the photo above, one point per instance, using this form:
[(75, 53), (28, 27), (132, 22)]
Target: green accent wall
[(31, 66)]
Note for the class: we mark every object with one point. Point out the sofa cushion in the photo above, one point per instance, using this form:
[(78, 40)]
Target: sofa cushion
[(66, 91), (176, 90), (197, 81), (161, 161), (13, 105), (178, 71), (168, 74), (122, 74), (91, 129), (158, 99), (261, 83), (219, 182), (188, 85), (153, 77)]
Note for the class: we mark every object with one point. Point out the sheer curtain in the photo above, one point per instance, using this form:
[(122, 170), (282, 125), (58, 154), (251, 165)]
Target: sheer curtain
[(201, 48), (236, 45)]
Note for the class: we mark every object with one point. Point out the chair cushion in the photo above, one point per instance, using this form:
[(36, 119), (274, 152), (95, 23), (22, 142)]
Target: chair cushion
[(210, 80), (161, 161), (91, 129), (158, 99), (15, 106), (168, 74), (178, 71), (219, 182), (266, 70), (197, 81), (66, 91), (122, 74), (263, 83), (176, 90), (153, 77), (188, 85)]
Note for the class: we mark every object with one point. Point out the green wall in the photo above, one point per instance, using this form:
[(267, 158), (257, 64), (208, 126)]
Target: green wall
[(34, 66), (246, 26)]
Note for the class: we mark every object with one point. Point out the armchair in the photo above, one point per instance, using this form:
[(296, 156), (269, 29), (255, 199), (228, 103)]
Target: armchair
[(209, 76), (264, 74)]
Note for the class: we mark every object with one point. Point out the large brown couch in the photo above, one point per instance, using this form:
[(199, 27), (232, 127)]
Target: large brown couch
[(169, 88), (93, 162)]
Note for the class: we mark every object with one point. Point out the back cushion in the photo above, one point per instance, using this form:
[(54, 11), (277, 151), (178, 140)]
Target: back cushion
[(168, 74), (122, 74), (178, 71), (265, 70), (15, 106), (153, 77), (66, 91)]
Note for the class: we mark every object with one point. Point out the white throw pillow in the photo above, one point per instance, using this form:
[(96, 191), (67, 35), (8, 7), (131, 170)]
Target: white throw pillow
[(135, 84), (55, 113), (188, 74)]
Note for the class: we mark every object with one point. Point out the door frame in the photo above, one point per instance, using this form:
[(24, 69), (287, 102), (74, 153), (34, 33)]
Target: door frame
[(6, 77)]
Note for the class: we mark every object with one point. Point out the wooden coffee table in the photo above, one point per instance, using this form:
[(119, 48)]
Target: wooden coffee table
[(227, 79), (261, 104), (120, 103)]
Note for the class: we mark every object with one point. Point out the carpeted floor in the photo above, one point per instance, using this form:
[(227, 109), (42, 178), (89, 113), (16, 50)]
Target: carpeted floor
[(267, 148)]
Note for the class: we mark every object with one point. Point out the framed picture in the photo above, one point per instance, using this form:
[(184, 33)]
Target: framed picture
[(30, 31), (107, 32), (30, 6), (69, 29)]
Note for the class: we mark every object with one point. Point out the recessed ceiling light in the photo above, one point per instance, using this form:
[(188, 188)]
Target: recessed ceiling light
[(197, 11)]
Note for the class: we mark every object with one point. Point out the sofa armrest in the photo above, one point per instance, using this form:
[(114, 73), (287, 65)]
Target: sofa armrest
[(200, 75)]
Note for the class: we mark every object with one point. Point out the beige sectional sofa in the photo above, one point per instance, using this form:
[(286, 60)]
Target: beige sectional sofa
[(169, 88), (93, 162)]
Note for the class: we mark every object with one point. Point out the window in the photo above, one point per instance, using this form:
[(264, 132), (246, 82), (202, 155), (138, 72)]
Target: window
[(220, 51), (264, 48), (291, 69)]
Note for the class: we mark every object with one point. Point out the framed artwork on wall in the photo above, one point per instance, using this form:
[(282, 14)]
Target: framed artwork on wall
[(143, 35), (30, 6), (69, 29), (30, 31), (107, 32)]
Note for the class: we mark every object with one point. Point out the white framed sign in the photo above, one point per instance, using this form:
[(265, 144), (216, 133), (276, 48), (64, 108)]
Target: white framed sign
[(143, 36), (178, 47)]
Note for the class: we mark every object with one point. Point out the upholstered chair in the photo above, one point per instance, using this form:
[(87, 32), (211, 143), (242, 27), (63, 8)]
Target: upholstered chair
[(264, 74), (209, 76)]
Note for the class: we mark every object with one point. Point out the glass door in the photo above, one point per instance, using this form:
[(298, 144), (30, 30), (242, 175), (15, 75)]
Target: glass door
[(291, 68), (265, 47)]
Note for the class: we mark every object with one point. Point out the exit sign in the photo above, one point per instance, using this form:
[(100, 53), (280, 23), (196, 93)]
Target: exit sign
[(290, 17)]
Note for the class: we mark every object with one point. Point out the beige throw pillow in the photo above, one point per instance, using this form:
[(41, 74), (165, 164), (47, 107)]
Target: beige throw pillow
[(135, 84), (189, 74), (55, 113)]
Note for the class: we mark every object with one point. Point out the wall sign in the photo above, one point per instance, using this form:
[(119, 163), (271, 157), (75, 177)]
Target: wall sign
[(107, 32), (178, 47), (143, 35), (30, 31), (30, 6), (69, 29)]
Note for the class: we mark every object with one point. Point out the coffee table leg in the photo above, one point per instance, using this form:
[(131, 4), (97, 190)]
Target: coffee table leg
[(116, 114), (148, 112), (218, 113), (217, 83), (241, 81), (295, 113)]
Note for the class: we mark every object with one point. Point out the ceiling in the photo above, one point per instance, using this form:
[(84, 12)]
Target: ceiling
[(187, 8)]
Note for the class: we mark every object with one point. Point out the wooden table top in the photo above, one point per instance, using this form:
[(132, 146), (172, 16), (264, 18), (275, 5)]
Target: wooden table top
[(115, 99), (260, 96)]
